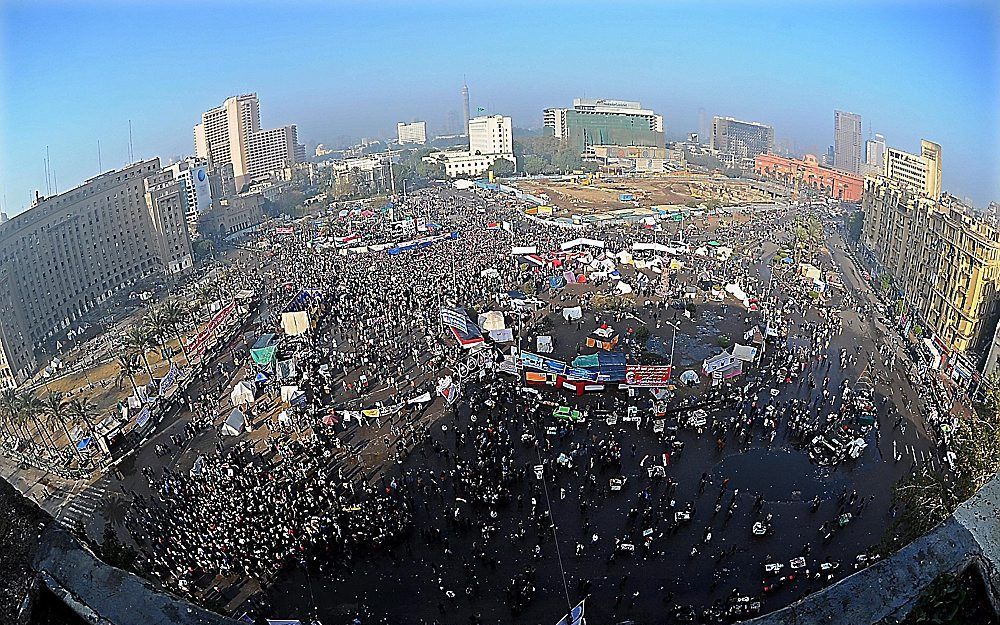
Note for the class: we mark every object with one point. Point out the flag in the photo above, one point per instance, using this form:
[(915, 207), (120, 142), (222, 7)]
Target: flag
[(493, 225), (455, 318), (575, 616)]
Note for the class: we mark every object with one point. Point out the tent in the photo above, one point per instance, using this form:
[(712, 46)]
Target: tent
[(744, 352), (572, 314), (243, 393), (689, 377), (544, 344), (264, 349), (556, 282), (624, 288), (287, 392), (492, 320), (295, 323), (235, 423)]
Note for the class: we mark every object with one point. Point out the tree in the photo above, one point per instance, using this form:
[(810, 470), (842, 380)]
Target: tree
[(137, 340), (534, 165), (57, 411), (116, 553), (84, 410), (502, 168), (157, 327), (31, 410), (173, 316), (128, 366)]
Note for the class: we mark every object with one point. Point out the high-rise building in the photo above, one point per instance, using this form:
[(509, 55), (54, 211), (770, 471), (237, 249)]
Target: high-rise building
[(943, 261), (71, 252), (223, 136), (194, 172), (875, 156), (491, 134), (920, 172), (273, 150), (231, 134), (605, 122), (414, 132), (847, 141), (465, 107), (738, 142)]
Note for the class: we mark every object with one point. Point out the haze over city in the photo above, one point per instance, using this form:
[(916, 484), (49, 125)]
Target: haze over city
[(455, 313), (74, 74)]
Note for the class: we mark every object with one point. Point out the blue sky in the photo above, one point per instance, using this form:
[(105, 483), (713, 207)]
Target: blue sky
[(73, 73)]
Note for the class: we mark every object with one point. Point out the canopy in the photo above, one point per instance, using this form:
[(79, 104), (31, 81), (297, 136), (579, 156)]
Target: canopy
[(287, 392), (492, 320), (744, 352), (243, 393), (689, 377), (264, 349), (572, 314), (544, 344), (235, 423), (295, 323)]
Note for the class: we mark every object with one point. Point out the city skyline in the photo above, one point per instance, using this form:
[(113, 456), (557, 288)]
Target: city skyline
[(332, 84)]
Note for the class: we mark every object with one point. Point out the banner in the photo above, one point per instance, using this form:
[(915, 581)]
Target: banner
[(647, 376), (284, 230), (169, 380), (201, 341)]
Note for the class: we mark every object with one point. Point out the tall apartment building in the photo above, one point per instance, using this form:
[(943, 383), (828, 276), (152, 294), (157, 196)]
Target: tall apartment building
[(194, 172), (847, 141), (738, 142), (943, 262), (71, 252), (921, 172), (415, 132), (231, 134), (605, 122), (875, 156), (273, 150), (223, 136)]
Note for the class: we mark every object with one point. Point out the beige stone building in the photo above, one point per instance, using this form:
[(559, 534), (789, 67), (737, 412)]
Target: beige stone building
[(70, 253), (944, 263)]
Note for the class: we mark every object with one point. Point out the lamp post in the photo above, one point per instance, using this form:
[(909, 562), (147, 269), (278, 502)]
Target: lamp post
[(673, 340)]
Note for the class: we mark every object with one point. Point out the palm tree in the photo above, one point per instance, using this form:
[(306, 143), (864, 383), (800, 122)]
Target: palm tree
[(173, 315), (83, 409), (57, 410), (157, 328), (10, 413), (31, 409), (137, 340), (128, 366)]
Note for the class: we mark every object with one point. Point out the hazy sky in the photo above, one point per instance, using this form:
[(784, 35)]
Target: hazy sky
[(76, 72)]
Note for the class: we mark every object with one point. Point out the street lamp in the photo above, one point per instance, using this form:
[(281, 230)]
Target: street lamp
[(673, 339)]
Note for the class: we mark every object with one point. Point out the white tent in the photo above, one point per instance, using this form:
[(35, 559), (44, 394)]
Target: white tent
[(744, 352), (544, 344), (492, 320), (243, 393), (571, 314), (287, 392), (624, 257), (235, 424), (578, 242), (689, 377), (624, 288), (295, 323)]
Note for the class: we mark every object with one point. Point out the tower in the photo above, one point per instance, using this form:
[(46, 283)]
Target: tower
[(465, 107)]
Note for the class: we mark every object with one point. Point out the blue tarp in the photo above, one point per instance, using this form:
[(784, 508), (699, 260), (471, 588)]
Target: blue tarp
[(83, 444), (608, 366), (556, 282), (517, 295)]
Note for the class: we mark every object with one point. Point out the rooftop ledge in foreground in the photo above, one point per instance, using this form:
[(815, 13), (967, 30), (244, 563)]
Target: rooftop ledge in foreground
[(888, 589), (891, 587)]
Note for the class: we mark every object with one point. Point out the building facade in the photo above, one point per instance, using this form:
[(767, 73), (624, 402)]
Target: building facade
[(875, 156), (70, 253), (847, 141), (273, 150), (491, 134), (738, 142), (943, 263), (193, 171), (605, 122), (810, 174), (414, 132), (920, 172)]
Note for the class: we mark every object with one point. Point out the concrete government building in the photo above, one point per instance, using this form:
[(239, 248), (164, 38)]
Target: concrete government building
[(71, 252)]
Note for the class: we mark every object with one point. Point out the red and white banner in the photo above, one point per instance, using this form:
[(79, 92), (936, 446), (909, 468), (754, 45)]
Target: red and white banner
[(284, 230), (201, 341), (647, 376)]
